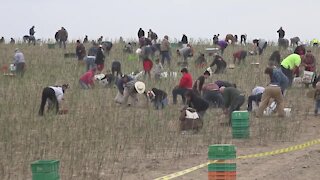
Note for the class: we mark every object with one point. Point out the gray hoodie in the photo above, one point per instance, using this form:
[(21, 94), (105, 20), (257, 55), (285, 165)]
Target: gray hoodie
[(18, 57)]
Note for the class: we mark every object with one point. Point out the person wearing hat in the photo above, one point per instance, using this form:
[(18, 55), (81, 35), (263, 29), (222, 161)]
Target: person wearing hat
[(86, 81), (158, 97), (132, 89), (19, 62), (197, 86), (289, 64), (55, 95), (220, 63), (233, 100), (100, 59)]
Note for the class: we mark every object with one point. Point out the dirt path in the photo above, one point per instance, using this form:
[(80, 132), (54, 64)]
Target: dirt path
[(297, 165)]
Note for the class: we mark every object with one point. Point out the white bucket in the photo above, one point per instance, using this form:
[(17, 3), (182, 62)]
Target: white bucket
[(287, 112), (12, 68)]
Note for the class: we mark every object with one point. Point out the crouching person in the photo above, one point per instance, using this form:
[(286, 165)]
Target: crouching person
[(233, 100), (197, 103), (211, 93), (255, 97), (129, 88), (158, 97), (86, 81), (191, 117), (273, 91), (55, 95)]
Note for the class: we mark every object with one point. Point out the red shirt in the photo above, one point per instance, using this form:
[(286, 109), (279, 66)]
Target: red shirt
[(147, 65), (186, 81), (87, 77)]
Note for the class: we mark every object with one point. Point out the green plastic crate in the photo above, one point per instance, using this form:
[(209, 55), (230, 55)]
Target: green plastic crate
[(46, 176), (241, 135), (45, 166), (241, 123), (240, 115), (222, 167), (240, 129), (222, 151)]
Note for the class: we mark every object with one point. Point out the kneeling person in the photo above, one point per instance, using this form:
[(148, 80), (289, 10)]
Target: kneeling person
[(158, 97)]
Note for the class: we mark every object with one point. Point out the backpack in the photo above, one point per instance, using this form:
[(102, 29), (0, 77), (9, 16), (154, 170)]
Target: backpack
[(190, 120)]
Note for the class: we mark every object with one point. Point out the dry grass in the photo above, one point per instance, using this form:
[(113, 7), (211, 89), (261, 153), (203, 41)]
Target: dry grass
[(99, 140)]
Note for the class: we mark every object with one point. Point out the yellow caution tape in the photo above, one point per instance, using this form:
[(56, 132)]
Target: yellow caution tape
[(275, 152)]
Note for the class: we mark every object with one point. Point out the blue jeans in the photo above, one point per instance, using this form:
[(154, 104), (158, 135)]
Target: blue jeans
[(165, 55), (161, 104), (317, 108), (181, 92)]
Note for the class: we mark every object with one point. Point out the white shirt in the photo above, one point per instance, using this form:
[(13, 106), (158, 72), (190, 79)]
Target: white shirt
[(58, 91), (257, 90)]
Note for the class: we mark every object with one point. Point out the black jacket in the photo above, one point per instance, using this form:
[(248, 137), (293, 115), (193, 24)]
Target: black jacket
[(184, 39), (198, 103), (159, 94), (141, 33), (100, 57), (218, 60)]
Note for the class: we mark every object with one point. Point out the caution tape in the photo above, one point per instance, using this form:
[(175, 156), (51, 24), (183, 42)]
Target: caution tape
[(270, 153)]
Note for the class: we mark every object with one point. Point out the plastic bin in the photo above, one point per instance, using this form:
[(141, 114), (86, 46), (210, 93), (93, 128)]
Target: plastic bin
[(222, 167), (222, 152)]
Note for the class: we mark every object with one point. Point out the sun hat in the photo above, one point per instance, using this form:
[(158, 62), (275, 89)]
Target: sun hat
[(140, 87)]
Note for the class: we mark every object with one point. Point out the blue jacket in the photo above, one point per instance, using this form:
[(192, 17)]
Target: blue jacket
[(280, 79), (121, 83)]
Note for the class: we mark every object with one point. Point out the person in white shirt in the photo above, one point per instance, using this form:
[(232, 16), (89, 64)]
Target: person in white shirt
[(55, 96), (19, 62), (255, 97)]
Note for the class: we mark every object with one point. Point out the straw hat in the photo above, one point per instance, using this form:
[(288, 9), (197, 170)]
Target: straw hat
[(140, 87)]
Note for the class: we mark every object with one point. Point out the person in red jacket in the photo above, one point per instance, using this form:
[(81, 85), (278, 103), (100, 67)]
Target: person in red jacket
[(87, 79), (184, 85)]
